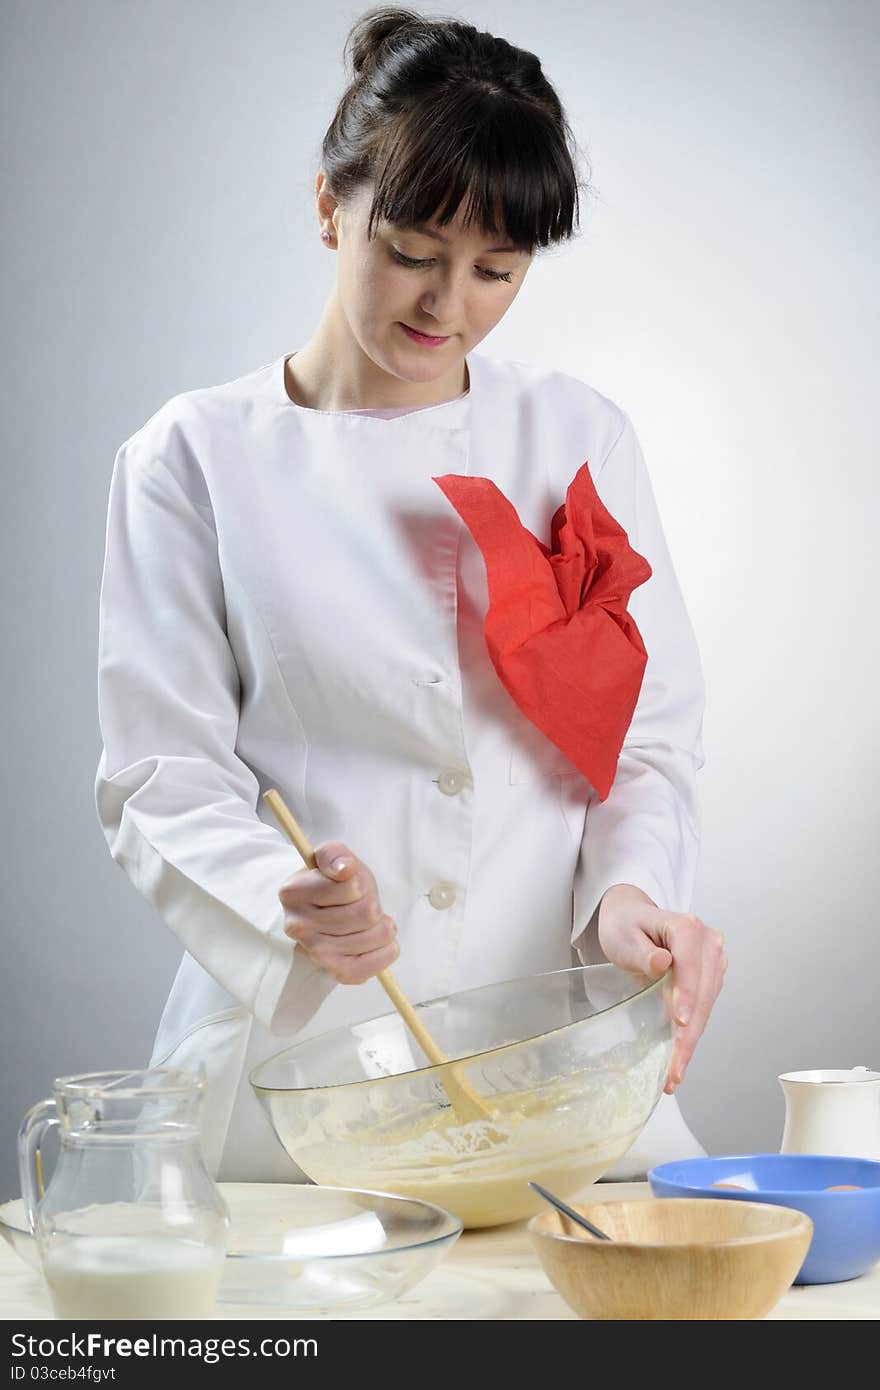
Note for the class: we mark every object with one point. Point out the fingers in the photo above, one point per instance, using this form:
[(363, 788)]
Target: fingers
[(350, 917), (632, 948), (333, 945), (334, 915), (339, 878), (347, 961), (685, 1035), (639, 937), (356, 969), (335, 860), (684, 937), (712, 961), (313, 890), (657, 961)]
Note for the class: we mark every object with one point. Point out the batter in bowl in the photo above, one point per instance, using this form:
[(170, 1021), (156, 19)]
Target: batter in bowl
[(563, 1135)]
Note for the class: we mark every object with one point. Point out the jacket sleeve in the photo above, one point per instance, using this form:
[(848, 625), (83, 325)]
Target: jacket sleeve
[(646, 831), (176, 804)]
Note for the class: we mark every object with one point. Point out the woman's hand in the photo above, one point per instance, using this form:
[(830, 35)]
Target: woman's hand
[(333, 913), (637, 935)]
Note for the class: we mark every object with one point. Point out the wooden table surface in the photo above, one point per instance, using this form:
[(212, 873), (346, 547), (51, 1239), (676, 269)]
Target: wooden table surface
[(489, 1275)]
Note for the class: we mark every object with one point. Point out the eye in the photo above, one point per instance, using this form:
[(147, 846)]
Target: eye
[(419, 265), (407, 260)]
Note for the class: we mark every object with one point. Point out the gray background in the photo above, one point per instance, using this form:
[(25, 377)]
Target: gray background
[(159, 235)]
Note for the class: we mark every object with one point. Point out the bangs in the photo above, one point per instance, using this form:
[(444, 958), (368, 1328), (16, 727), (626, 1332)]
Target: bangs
[(507, 166)]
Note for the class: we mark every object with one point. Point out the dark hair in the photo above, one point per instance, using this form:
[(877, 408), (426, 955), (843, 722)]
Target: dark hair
[(438, 111)]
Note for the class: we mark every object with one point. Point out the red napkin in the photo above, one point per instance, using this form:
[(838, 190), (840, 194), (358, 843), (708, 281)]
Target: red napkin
[(557, 629)]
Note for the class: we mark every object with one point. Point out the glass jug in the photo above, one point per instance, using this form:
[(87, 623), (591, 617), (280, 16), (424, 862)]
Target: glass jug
[(131, 1224)]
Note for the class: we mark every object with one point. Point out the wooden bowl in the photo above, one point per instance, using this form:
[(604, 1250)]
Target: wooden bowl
[(673, 1258)]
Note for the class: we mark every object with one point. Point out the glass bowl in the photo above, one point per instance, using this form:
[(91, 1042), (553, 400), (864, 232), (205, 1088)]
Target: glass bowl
[(293, 1245), (296, 1246), (571, 1064)]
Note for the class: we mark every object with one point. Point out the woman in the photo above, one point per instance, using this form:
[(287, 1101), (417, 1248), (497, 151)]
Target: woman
[(290, 600)]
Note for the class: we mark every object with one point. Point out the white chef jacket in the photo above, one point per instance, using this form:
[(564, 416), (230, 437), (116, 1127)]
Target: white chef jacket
[(288, 600)]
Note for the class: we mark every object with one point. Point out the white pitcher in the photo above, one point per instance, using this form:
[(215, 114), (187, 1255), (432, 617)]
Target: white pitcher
[(832, 1112)]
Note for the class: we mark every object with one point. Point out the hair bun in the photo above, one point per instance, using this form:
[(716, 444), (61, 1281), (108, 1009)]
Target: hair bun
[(498, 143), (372, 30)]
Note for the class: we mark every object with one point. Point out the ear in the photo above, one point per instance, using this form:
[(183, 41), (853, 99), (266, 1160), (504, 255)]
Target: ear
[(326, 202)]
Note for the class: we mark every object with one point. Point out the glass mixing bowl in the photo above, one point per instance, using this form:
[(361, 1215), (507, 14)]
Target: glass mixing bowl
[(314, 1249), (571, 1063)]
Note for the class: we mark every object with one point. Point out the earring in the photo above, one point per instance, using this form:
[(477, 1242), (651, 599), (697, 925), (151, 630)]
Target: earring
[(325, 236)]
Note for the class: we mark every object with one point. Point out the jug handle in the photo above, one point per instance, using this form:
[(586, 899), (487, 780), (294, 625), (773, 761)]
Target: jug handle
[(30, 1163)]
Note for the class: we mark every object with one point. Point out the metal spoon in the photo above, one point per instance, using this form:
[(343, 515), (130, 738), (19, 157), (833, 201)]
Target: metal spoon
[(568, 1211)]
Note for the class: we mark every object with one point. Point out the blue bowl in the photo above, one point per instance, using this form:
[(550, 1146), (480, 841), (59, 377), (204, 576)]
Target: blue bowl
[(846, 1234)]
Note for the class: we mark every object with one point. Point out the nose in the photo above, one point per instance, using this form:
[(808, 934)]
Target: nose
[(443, 301)]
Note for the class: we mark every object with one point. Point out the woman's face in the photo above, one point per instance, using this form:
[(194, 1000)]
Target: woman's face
[(456, 288)]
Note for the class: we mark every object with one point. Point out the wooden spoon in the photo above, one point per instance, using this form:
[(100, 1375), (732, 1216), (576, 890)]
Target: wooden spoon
[(467, 1103)]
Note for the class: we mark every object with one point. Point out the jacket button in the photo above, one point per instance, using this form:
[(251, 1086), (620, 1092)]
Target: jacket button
[(451, 781), (442, 895)]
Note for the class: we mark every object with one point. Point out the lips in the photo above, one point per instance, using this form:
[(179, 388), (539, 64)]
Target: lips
[(427, 337)]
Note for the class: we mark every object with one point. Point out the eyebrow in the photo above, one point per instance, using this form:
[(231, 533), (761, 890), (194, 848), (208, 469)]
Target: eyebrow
[(429, 231)]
